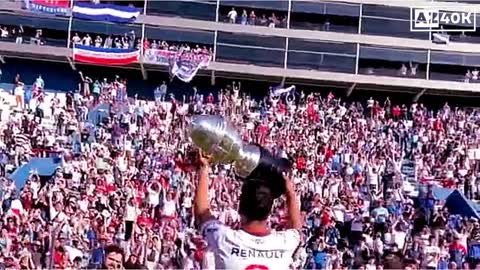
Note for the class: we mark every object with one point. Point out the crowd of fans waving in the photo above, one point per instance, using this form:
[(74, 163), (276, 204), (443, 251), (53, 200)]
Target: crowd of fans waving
[(123, 195), (130, 41)]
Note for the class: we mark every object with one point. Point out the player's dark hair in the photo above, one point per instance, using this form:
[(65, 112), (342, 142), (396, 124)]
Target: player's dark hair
[(114, 249), (256, 201)]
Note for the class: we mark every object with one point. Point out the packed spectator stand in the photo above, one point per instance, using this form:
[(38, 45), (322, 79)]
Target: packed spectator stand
[(97, 179), (120, 178)]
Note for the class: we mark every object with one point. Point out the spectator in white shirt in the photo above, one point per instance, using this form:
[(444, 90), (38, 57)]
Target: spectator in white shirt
[(154, 194), (403, 70), (76, 39), (87, 40), (169, 206), (232, 16), (4, 32), (413, 69), (475, 74), (131, 213)]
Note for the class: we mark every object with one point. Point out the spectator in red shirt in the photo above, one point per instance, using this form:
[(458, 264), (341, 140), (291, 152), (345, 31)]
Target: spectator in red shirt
[(396, 112), (301, 163)]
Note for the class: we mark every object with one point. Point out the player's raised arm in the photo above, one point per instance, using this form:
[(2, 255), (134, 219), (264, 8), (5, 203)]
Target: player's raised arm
[(201, 205), (294, 217)]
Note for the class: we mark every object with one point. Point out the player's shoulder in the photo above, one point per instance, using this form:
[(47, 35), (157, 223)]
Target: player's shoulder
[(214, 227), (292, 234), (285, 238)]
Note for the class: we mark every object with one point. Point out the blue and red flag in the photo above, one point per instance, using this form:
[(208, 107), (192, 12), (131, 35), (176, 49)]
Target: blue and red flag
[(48, 6), (105, 12), (105, 56)]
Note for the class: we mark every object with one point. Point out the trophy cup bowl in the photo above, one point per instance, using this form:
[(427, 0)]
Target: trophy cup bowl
[(247, 161), (217, 137), (214, 135)]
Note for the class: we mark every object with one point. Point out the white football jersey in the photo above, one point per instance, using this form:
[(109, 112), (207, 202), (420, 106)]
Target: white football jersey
[(239, 250)]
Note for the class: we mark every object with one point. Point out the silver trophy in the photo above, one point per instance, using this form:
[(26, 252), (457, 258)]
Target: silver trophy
[(216, 136)]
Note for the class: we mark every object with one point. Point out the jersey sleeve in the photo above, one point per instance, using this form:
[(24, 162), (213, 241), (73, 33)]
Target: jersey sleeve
[(211, 231)]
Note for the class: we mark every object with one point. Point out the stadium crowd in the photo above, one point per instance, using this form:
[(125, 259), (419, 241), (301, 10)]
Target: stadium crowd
[(130, 41), (123, 195), (20, 35), (250, 18)]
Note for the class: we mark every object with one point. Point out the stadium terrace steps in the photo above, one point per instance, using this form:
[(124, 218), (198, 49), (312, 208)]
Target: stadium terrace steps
[(9, 108)]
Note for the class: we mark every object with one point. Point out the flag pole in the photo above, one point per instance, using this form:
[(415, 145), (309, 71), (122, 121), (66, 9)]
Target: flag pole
[(70, 20)]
